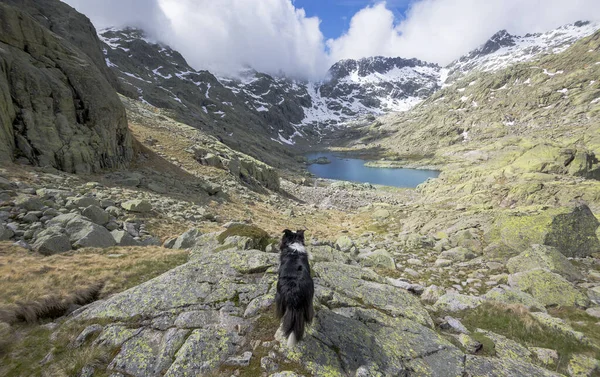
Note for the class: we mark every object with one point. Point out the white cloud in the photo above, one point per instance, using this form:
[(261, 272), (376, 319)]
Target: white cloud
[(442, 30), (274, 36)]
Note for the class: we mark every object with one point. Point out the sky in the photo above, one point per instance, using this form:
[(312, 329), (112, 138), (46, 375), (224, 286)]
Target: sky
[(303, 38)]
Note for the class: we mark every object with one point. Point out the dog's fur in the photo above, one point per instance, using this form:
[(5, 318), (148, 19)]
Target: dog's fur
[(295, 287)]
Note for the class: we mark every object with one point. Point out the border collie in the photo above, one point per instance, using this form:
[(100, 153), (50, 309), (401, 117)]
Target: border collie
[(295, 288)]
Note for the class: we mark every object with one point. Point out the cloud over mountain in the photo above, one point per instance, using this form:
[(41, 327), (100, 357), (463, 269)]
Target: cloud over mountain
[(274, 36)]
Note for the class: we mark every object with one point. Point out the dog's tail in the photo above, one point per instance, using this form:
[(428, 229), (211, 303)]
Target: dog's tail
[(294, 322)]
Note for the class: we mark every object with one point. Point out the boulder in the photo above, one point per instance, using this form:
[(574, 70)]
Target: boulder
[(83, 128), (344, 244), (379, 258), (84, 201), (548, 288), (454, 302), (63, 220), (510, 296), (432, 294), (84, 233), (571, 230), (548, 257), (137, 205), (381, 214), (187, 239), (458, 254), (548, 357), (481, 366), (29, 203), (96, 214), (51, 241), (5, 233), (122, 238), (583, 366)]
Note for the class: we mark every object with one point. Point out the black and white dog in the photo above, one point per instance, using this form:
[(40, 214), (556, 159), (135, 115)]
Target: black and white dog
[(295, 288)]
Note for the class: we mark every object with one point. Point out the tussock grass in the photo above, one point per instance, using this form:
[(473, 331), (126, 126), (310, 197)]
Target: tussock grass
[(34, 288), (50, 307), (516, 322), (28, 277)]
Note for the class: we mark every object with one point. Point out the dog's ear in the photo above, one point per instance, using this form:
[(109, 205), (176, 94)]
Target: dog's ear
[(300, 234), (288, 232)]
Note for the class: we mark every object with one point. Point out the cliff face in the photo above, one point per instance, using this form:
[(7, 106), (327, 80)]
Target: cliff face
[(57, 106)]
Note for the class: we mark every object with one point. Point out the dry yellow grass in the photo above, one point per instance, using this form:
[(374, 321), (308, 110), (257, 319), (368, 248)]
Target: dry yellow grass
[(26, 276)]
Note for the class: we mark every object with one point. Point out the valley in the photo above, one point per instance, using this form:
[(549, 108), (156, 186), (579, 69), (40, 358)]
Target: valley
[(145, 243)]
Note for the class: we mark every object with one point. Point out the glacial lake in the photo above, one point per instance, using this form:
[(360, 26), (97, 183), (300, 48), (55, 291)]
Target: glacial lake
[(354, 170)]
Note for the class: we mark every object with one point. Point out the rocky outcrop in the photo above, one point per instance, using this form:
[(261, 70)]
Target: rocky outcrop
[(571, 230), (57, 108)]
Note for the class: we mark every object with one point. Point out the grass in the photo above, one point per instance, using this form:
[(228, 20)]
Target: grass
[(516, 323), (25, 276), (31, 344)]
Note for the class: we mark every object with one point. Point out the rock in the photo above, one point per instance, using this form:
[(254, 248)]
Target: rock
[(548, 288), (583, 366), (29, 203), (268, 364), (286, 374), (492, 367), (454, 302), (187, 240), (507, 348), (414, 262), (468, 239), (547, 257), (157, 187), (344, 244), (122, 238), (5, 233), (51, 241), (509, 296), (83, 233), (457, 254), (594, 295), (571, 230), (239, 361), (440, 262), (96, 214), (561, 327), (432, 294), (113, 211), (49, 193), (379, 258), (85, 201), (86, 334), (211, 188), (594, 312), (137, 205), (471, 345), (453, 325), (84, 128), (381, 214), (548, 357), (62, 220)]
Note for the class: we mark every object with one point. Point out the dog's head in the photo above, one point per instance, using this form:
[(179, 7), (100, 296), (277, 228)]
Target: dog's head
[(290, 238)]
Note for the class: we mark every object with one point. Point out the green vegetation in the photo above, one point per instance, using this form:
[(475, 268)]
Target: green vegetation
[(516, 323), (259, 237)]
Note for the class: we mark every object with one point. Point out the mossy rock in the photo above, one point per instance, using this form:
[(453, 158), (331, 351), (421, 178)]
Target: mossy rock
[(572, 230), (548, 257), (548, 288), (260, 237)]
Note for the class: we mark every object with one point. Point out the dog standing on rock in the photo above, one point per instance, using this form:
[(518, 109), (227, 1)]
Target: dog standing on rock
[(295, 288)]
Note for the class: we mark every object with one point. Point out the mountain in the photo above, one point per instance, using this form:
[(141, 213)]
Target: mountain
[(58, 107), (504, 49), (279, 108)]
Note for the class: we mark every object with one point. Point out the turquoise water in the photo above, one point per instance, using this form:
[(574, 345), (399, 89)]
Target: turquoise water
[(354, 170)]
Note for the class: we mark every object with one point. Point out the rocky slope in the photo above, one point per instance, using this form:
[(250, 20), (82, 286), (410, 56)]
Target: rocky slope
[(58, 109), (504, 49), (284, 110)]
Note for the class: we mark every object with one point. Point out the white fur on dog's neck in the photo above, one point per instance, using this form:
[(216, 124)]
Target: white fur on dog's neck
[(297, 247)]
